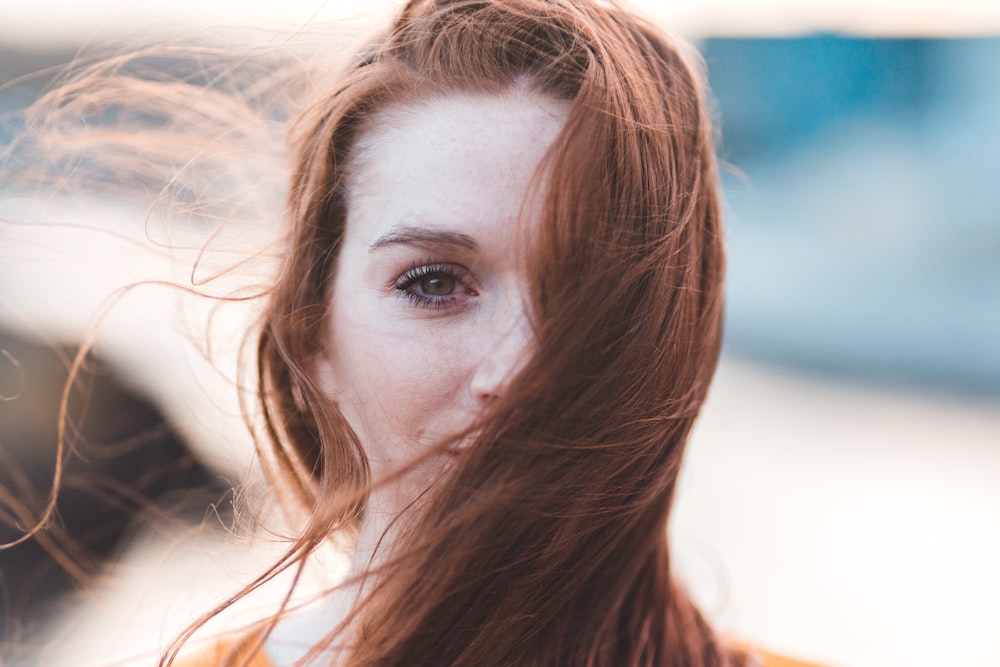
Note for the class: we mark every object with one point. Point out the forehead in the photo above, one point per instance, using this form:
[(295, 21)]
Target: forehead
[(457, 162)]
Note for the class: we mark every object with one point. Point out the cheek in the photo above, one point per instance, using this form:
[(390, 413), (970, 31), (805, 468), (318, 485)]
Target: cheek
[(398, 382)]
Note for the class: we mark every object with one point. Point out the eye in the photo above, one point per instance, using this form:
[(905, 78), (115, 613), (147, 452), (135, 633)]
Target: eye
[(434, 285)]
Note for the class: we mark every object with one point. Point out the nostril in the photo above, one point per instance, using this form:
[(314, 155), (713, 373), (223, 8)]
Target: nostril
[(496, 372), (487, 397), (485, 387)]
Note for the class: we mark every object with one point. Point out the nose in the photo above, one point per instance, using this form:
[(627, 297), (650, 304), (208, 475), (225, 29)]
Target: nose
[(505, 352)]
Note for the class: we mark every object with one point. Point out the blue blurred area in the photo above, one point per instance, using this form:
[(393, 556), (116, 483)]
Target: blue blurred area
[(12, 102), (863, 195)]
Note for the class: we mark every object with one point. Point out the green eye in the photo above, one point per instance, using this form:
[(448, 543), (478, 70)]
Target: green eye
[(437, 284)]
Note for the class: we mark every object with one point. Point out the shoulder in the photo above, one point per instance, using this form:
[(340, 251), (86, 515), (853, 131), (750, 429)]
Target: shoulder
[(247, 651), (767, 658)]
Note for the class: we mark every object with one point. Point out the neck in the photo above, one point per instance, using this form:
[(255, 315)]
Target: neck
[(298, 634), (375, 533)]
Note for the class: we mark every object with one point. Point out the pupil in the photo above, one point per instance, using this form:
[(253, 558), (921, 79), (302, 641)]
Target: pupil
[(438, 285)]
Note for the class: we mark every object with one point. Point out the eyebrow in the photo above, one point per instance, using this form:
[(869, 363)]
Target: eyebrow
[(424, 237)]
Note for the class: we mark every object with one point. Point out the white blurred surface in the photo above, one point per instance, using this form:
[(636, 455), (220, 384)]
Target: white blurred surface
[(163, 586), (844, 524)]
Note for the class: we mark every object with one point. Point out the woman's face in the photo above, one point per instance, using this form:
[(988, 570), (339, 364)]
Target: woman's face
[(429, 313)]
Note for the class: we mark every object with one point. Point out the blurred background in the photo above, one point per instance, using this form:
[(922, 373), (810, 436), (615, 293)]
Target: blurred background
[(841, 500)]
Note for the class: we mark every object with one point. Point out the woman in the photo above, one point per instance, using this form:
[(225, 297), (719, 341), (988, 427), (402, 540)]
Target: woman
[(498, 322), (497, 319)]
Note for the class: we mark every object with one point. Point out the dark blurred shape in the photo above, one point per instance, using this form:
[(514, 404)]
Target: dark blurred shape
[(126, 468), (864, 211)]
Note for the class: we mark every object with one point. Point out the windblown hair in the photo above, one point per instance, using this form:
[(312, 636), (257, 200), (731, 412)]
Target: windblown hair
[(547, 545)]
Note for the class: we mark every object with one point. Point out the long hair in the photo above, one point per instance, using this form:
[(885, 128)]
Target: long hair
[(547, 544)]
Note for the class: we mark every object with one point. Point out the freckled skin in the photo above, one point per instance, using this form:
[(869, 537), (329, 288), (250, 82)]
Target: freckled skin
[(424, 331)]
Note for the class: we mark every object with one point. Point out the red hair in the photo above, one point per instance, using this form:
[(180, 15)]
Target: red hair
[(548, 544)]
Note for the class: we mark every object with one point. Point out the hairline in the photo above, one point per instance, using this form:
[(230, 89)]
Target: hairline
[(399, 108)]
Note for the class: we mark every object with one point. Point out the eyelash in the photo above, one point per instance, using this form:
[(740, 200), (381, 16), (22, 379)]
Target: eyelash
[(420, 270)]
